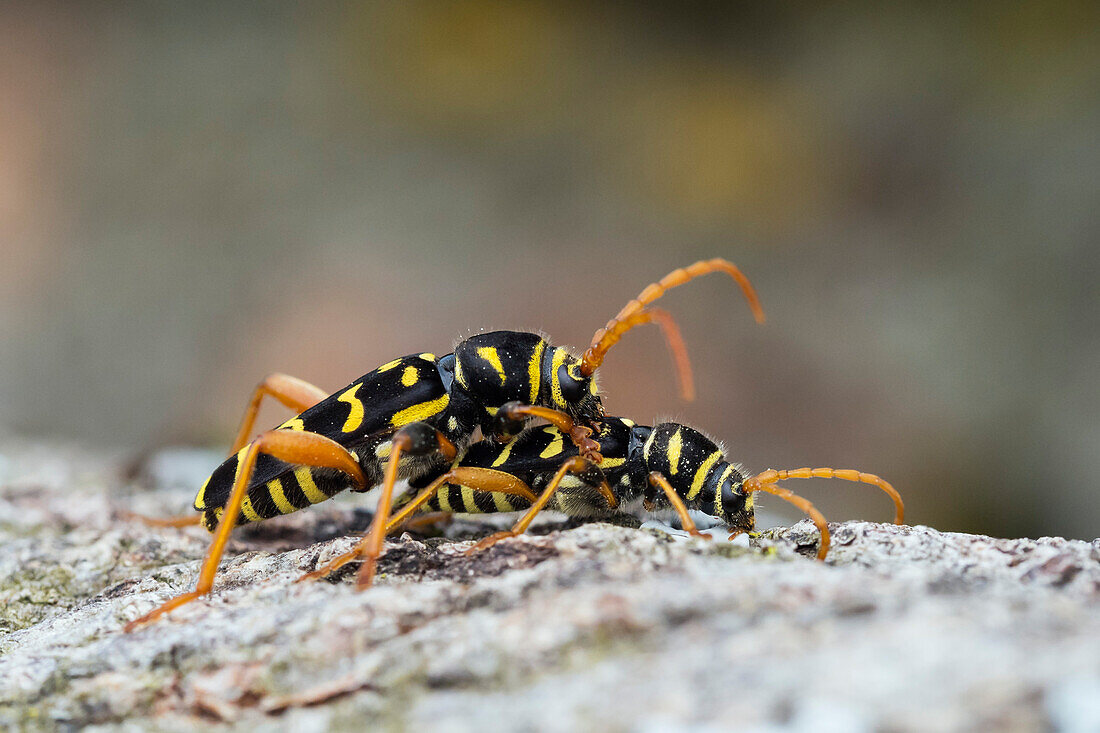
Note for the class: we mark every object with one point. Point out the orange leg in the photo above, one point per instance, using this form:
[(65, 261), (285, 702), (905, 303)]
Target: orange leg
[(184, 520), (573, 465), (416, 438), (296, 394), (771, 476), (620, 324), (686, 521), (481, 479), (372, 543), (513, 415), (296, 447), (418, 524)]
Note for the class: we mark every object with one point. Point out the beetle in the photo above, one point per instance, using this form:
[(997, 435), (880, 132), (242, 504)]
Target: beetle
[(668, 465), (409, 417)]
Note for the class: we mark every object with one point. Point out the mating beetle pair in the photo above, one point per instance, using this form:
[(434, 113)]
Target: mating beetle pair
[(415, 417)]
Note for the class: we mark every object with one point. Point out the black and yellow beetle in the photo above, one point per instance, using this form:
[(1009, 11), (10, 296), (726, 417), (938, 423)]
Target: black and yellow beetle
[(409, 417), (667, 466)]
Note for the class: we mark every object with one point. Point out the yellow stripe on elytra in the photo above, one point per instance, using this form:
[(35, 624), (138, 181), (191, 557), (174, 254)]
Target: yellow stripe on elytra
[(308, 486), (675, 445), (294, 423), (502, 503), (555, 382), (275, 488), (701, 474), (489, 354), (554, 448), (355, 417), (249, 512), (428, 356), (409, 376), (420, 412), (389, 365), (534, 370), (500, 459)]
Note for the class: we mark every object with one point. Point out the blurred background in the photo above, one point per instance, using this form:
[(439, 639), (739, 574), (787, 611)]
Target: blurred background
[(195, 194)]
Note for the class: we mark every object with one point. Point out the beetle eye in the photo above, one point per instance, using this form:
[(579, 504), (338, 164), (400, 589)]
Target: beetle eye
[(572, 390), (733, 502)]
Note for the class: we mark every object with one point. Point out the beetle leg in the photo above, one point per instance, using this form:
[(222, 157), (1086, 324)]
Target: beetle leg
[(686, 521), (576, 464), (295, 393), (183, 520), (417, 439), (512, 414), (295, 447), (480, 479)]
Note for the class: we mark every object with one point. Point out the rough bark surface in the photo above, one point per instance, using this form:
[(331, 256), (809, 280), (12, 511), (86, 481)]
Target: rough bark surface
[(571, 628)]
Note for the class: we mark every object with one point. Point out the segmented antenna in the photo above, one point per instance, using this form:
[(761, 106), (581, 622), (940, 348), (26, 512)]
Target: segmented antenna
[(610, 334)]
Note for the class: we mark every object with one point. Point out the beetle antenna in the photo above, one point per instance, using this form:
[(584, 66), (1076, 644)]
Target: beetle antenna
[(607, 336)]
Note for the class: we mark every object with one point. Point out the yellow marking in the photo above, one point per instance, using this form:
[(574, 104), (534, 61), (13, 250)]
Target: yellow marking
[(468, 500), (248, 512), (388, 365), (555, 382), (309, 488), (534, 371), (420, 412), (443, 497), (675, 445), (626, 422), (504, 454), (648, 445), (489, 354), (355, 417), (428, 356), (725, 475), (718, 491), (554, 448), (452, 423), (275, 487), (294, 423), (701, 474), (409, 376), (200, 499), (383, 450), (612, 462), (501, 500), (460, 376), (492, 410)]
